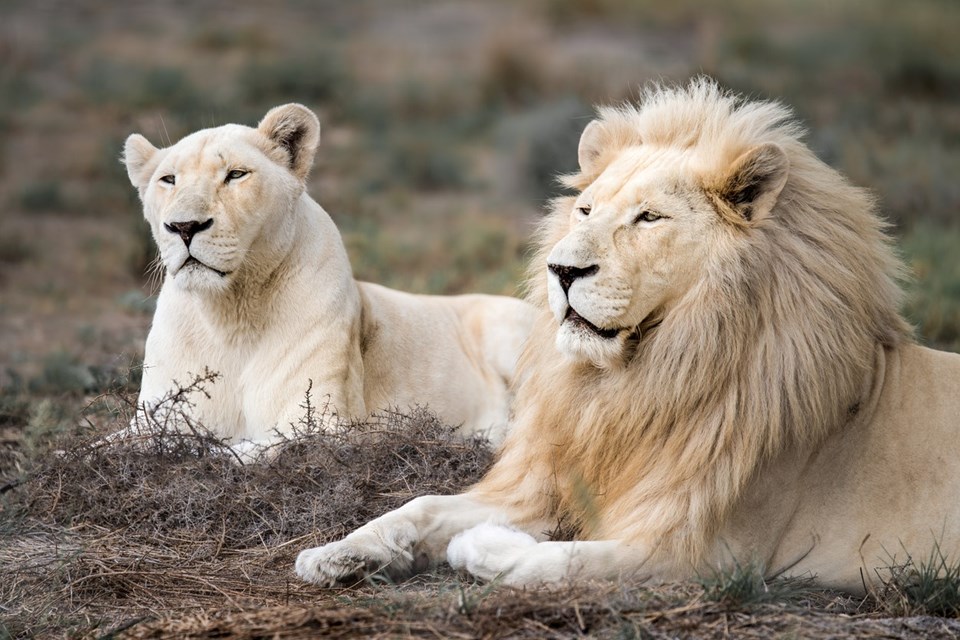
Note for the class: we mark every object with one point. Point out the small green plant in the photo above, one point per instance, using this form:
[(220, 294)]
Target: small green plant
[(931, 587), (744, 584)]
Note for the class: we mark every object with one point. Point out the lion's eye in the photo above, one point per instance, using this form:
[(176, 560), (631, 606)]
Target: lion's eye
[(170, 179), (647, 216), (235, 174), (584, 211)]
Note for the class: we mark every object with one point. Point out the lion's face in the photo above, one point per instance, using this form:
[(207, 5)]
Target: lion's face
[(641, 236), (220, 201), (636, 240), (209, 199)]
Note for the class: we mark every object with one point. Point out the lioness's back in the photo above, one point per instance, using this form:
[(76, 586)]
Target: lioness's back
[(413, 362)]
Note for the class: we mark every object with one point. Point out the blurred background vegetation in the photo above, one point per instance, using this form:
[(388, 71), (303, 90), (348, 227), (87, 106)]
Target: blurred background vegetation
[(444, 124)]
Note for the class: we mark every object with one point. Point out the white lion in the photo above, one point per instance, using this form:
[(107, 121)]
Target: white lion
[(258, 288), (719, 373)]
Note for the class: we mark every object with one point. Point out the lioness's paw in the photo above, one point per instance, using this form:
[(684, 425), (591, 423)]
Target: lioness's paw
[(341, 563), (251, 451), (488, 551)]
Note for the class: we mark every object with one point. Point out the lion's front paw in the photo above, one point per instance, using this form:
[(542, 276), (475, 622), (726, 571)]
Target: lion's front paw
[(252, 451), (349, 561), (489, 551)]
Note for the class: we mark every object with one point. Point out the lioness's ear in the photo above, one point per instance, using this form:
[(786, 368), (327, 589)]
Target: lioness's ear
[(591, 144), (296, 130), (754, 182), (138, 155)]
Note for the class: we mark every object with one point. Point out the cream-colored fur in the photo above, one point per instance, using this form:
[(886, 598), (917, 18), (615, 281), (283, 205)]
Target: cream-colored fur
[(721, 376), (263, 294)]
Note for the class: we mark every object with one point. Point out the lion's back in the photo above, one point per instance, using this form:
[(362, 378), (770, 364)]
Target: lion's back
[(455, 354)]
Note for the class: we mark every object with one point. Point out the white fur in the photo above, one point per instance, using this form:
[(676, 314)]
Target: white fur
[(489, 550), (273, 308)]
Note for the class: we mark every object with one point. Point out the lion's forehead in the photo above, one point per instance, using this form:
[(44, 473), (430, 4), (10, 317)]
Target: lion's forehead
[(639, 173), (212, 150)]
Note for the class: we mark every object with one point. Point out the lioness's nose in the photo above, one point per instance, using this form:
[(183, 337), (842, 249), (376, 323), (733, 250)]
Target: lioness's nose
[(567, 275), (188, 229)]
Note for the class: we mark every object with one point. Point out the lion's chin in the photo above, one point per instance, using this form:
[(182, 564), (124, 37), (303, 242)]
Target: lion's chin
[(196, 276), (580, 344)]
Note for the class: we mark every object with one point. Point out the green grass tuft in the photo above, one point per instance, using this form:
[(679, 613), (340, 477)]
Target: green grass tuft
[(931, 587), (745, 584)]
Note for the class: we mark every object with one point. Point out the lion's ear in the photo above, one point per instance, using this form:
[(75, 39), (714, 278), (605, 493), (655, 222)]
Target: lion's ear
[(139, 156), (591, 145), (754, 182), (296, 130)]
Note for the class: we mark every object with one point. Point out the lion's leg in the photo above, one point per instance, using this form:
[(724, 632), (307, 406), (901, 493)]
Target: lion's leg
[(399, 543), (512, 557)]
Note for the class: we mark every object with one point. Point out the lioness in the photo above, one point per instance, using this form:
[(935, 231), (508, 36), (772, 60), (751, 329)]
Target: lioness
[(259, 289), (719, 373)]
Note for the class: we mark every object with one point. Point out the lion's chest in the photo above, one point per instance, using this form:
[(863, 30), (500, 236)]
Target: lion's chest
[(229, 381)]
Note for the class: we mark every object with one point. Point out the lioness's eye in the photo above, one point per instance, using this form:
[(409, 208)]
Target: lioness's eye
[(584, 211), (647, 216), (170, 179), (235, 174)]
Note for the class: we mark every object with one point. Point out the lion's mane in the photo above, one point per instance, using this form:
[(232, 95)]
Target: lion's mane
[(770, 352)]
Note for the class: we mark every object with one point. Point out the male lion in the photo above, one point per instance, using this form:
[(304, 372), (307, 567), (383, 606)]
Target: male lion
[(719, 374), (259, 289)]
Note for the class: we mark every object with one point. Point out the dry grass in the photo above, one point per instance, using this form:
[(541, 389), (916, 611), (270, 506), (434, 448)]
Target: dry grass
[(163, 521), (165, 533), (591, 611)]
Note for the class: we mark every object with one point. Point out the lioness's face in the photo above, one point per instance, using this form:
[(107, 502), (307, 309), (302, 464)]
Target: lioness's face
[(636, 242), (220, 201), (208, 200)]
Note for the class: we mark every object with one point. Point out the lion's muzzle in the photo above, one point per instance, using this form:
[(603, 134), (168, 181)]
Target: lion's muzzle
[(567, 275), (578, 320), (186, 230)]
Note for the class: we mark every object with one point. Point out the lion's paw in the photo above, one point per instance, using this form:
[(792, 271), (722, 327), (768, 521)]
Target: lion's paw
[(489, 551), (252, 451), (336, 563), (346, 562)]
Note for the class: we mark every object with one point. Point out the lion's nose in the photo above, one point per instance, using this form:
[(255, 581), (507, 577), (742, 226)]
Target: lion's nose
[(186, 230), (567, 275)]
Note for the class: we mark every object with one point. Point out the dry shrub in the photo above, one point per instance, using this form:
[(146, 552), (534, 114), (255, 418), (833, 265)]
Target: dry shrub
[(166, 517), (170, 474)]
